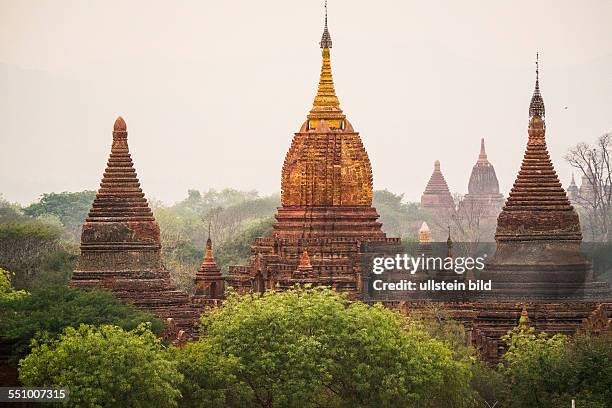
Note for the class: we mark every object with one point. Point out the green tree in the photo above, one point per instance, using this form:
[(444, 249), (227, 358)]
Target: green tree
[(70, 208), (105, 367), (47, 311), (543, 371), (313, 347), (7, 292)]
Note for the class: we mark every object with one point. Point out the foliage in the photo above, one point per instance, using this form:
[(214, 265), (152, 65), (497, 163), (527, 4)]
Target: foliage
[(238, 250), (312, 347), (70, 208), (400, 219), (50, 310), (7, 292), (544, 371), (105, 367)]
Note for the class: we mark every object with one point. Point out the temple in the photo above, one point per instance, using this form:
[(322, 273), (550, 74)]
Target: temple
[(326, 219), (572, 191), (538, 231), (437, 196), (209, 283), (483, 195), (120, 243)]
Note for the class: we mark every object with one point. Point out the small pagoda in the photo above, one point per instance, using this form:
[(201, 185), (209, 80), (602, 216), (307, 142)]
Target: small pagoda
[(326, 219), (437, 196), (209, 283)]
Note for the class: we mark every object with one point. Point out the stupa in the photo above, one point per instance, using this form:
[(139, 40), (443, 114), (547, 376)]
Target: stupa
[(209, 283), (483, 195), (572, 192), (437, 196), (538, 231), (120, 243), (326, 218)]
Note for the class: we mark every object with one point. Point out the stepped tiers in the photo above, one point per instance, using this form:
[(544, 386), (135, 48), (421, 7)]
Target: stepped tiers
[(538, 232), (326, 212), (209, 283), (120, 244), (483, 195), (437, 194)]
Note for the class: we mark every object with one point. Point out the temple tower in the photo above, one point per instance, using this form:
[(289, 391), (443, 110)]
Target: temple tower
[(572, 191), (538, 232), (209, 283), (326, 213), (120, 243), (437, 196), (483, 195)]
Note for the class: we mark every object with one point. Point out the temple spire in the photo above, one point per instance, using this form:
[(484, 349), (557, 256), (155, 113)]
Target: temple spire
[(326, 104), (482, 157), (536, 107)]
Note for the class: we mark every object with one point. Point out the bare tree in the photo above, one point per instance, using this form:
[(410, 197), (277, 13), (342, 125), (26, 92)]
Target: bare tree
[(596, 197)]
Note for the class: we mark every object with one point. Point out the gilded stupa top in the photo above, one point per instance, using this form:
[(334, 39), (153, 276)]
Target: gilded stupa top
[(326, 105), (327, 164)]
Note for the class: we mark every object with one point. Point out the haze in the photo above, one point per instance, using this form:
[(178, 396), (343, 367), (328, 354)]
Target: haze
[(212, 92)]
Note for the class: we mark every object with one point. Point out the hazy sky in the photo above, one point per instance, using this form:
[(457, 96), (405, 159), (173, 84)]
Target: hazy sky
[(212, 91)]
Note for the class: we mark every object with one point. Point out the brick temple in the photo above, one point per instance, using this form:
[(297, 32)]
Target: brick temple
[(437, 196), (120, 244), (483, 197), (326, 220)]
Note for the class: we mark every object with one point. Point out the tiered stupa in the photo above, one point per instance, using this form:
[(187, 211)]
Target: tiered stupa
[(538, 232), (437, 196), (483, 195), (120, 243), (572, 191), (326, 215), (209, 283)]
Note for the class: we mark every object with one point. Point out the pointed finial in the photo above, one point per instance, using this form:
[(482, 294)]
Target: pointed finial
[(573, 181), (208, 254), (437, 165), (120, 125), (482, 156), (326, 41), (536, 107), (524, 319)]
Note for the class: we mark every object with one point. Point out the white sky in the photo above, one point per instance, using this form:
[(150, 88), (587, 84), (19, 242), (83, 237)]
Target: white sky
[(213, 91)]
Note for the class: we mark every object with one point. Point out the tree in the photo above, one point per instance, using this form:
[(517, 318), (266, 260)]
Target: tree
[(70, 208), (105, 367), (47, 311), (595, 164), (313, 347), (543, 371), (7, 292)]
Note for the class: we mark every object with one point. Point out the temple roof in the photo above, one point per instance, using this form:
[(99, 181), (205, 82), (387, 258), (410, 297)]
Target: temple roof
[(483, 179), (326, 105), (538, 207), (437, 183), (536, 107), (209, 267), (120, 197)]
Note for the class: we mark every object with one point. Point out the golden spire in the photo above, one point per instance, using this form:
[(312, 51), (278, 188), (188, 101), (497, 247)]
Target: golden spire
[(326, 105)]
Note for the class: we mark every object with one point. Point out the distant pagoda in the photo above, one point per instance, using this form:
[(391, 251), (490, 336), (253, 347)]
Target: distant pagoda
[(437, 196), (483, 195), (120, 243), (209, 283), (326, 215), (572, 191), (538, 232)]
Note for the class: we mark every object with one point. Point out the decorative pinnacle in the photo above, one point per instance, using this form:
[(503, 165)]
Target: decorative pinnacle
[(482, 157), (536, 107), (326, 41), (437, 165), (120, 125)]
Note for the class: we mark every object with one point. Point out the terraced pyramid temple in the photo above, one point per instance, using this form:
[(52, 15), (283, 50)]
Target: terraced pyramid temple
[(437, 196), (326, 216), (538, 231), (209, 282), (120, 243)]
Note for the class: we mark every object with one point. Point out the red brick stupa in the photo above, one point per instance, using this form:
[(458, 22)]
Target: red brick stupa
[(209, 282), (538, 232), (120, 243), (437, 196), (326, 215)]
